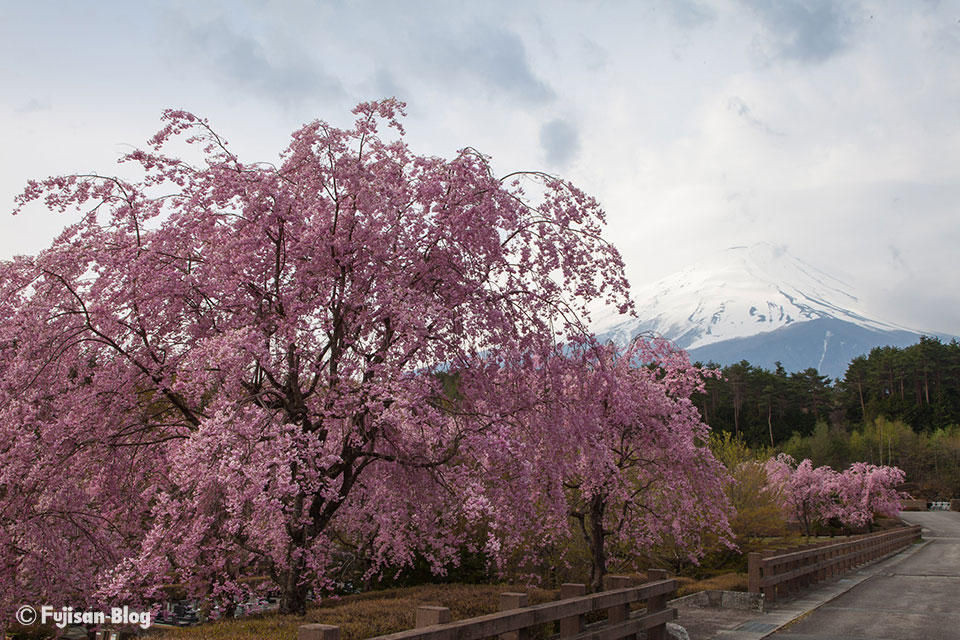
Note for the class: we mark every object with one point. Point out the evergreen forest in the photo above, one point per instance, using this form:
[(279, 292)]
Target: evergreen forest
[(898, 406)]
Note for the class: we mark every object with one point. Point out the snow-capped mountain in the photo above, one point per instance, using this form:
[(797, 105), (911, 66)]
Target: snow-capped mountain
[(761, 304)]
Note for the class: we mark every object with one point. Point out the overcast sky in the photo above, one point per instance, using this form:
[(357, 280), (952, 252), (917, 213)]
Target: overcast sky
[(831, 128)]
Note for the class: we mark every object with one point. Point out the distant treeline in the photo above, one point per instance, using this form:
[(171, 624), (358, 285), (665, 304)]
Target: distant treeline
[(917, 385)]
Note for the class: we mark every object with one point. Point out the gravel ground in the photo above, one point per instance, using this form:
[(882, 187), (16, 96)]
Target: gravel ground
[(702, 623)]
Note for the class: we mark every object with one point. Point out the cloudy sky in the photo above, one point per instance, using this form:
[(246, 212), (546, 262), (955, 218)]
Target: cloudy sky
[(829, 128)]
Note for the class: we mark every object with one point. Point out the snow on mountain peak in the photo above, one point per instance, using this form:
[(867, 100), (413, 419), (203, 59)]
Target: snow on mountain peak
[(742, 291)]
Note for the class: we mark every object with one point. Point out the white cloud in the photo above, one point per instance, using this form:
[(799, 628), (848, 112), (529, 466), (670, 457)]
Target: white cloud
[(829, 127)]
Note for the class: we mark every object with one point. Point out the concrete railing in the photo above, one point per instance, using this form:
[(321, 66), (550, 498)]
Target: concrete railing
[(515, 618), (778, 573)]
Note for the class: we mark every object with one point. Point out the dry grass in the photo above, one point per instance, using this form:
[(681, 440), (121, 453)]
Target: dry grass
[(381, 612), (722, 582), (363, 616), (792, 540)]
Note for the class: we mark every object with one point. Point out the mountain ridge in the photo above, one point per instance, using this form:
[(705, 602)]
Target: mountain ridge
[(761, 304)]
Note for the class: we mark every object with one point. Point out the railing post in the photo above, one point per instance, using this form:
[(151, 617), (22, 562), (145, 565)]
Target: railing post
[(790, 585), (508, 602), (620, 612), (819, 558), (574, 624), (428, 616), (656, 603), (318, 632), (769, 593), (801, 567), (753, 572)]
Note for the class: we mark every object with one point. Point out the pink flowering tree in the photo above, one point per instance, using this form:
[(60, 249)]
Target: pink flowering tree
[(865, 491), (222, 366), (810, 491), (819, 494), (640, 469), (631, 469)]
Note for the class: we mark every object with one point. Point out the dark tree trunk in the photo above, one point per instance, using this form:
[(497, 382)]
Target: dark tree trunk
[(770, 422), (293, 591), (293, 594), (598, 557)]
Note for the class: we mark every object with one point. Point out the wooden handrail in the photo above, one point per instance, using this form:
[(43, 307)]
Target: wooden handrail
[(494, 624), (569, 611), (782, 573), (819, 549)]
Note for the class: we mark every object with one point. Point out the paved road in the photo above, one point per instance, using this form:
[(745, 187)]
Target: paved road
[(916, 597)]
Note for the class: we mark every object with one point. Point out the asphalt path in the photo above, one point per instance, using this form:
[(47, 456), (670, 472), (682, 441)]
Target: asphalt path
[(917, 597)]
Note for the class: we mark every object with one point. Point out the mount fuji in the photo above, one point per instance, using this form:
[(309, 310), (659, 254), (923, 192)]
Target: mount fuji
[(761, 304)]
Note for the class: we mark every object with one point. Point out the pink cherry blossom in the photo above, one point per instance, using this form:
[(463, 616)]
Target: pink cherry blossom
[(227, 369), (639, 468), (818, 494), (867, 490)]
